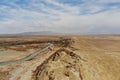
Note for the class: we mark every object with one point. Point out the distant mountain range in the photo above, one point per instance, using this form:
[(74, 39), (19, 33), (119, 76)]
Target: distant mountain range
[(40, 33), (32, 33), (47, 33)]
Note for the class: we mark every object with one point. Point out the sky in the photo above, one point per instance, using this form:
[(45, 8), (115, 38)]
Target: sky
[(64, 16)]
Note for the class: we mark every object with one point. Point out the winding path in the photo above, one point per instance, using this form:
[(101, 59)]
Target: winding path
[(29, 57)]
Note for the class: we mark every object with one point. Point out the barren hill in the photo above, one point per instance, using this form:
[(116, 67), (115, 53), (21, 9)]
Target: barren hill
[(72, 58)]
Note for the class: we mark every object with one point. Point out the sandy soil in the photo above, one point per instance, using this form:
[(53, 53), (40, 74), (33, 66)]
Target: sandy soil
[(85, 58)]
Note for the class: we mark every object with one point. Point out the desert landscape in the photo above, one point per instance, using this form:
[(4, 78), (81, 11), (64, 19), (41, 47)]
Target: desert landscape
[(71, 57), (59, 39)]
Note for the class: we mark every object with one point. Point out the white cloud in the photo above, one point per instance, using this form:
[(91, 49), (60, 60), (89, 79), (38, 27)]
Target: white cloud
[(66, 19), (107, 1)]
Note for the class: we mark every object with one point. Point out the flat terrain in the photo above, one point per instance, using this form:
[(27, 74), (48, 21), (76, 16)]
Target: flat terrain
[(72, 58)]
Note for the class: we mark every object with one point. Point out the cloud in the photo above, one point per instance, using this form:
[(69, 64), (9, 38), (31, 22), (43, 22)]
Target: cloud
[(83, 17)]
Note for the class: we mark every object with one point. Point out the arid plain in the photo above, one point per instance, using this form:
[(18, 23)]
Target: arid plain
[(84, 57)]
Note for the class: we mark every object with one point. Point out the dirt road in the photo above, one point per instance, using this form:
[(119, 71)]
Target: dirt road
[(29, 57)]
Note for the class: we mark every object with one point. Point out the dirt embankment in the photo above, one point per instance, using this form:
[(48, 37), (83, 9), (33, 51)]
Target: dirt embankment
[(62, 65), (88, 59)]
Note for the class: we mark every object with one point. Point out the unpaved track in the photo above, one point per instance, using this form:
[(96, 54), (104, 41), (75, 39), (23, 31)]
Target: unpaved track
[(26, 69), (29, 57)]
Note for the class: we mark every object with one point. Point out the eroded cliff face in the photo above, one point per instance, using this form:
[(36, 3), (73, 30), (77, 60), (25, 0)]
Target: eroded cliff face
[(85, 59), (63, 65)]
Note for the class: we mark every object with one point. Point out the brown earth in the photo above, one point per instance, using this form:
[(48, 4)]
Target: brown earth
[(72, 58)]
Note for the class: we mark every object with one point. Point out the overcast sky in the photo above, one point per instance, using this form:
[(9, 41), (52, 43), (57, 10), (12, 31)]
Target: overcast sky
[(67, 16)]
